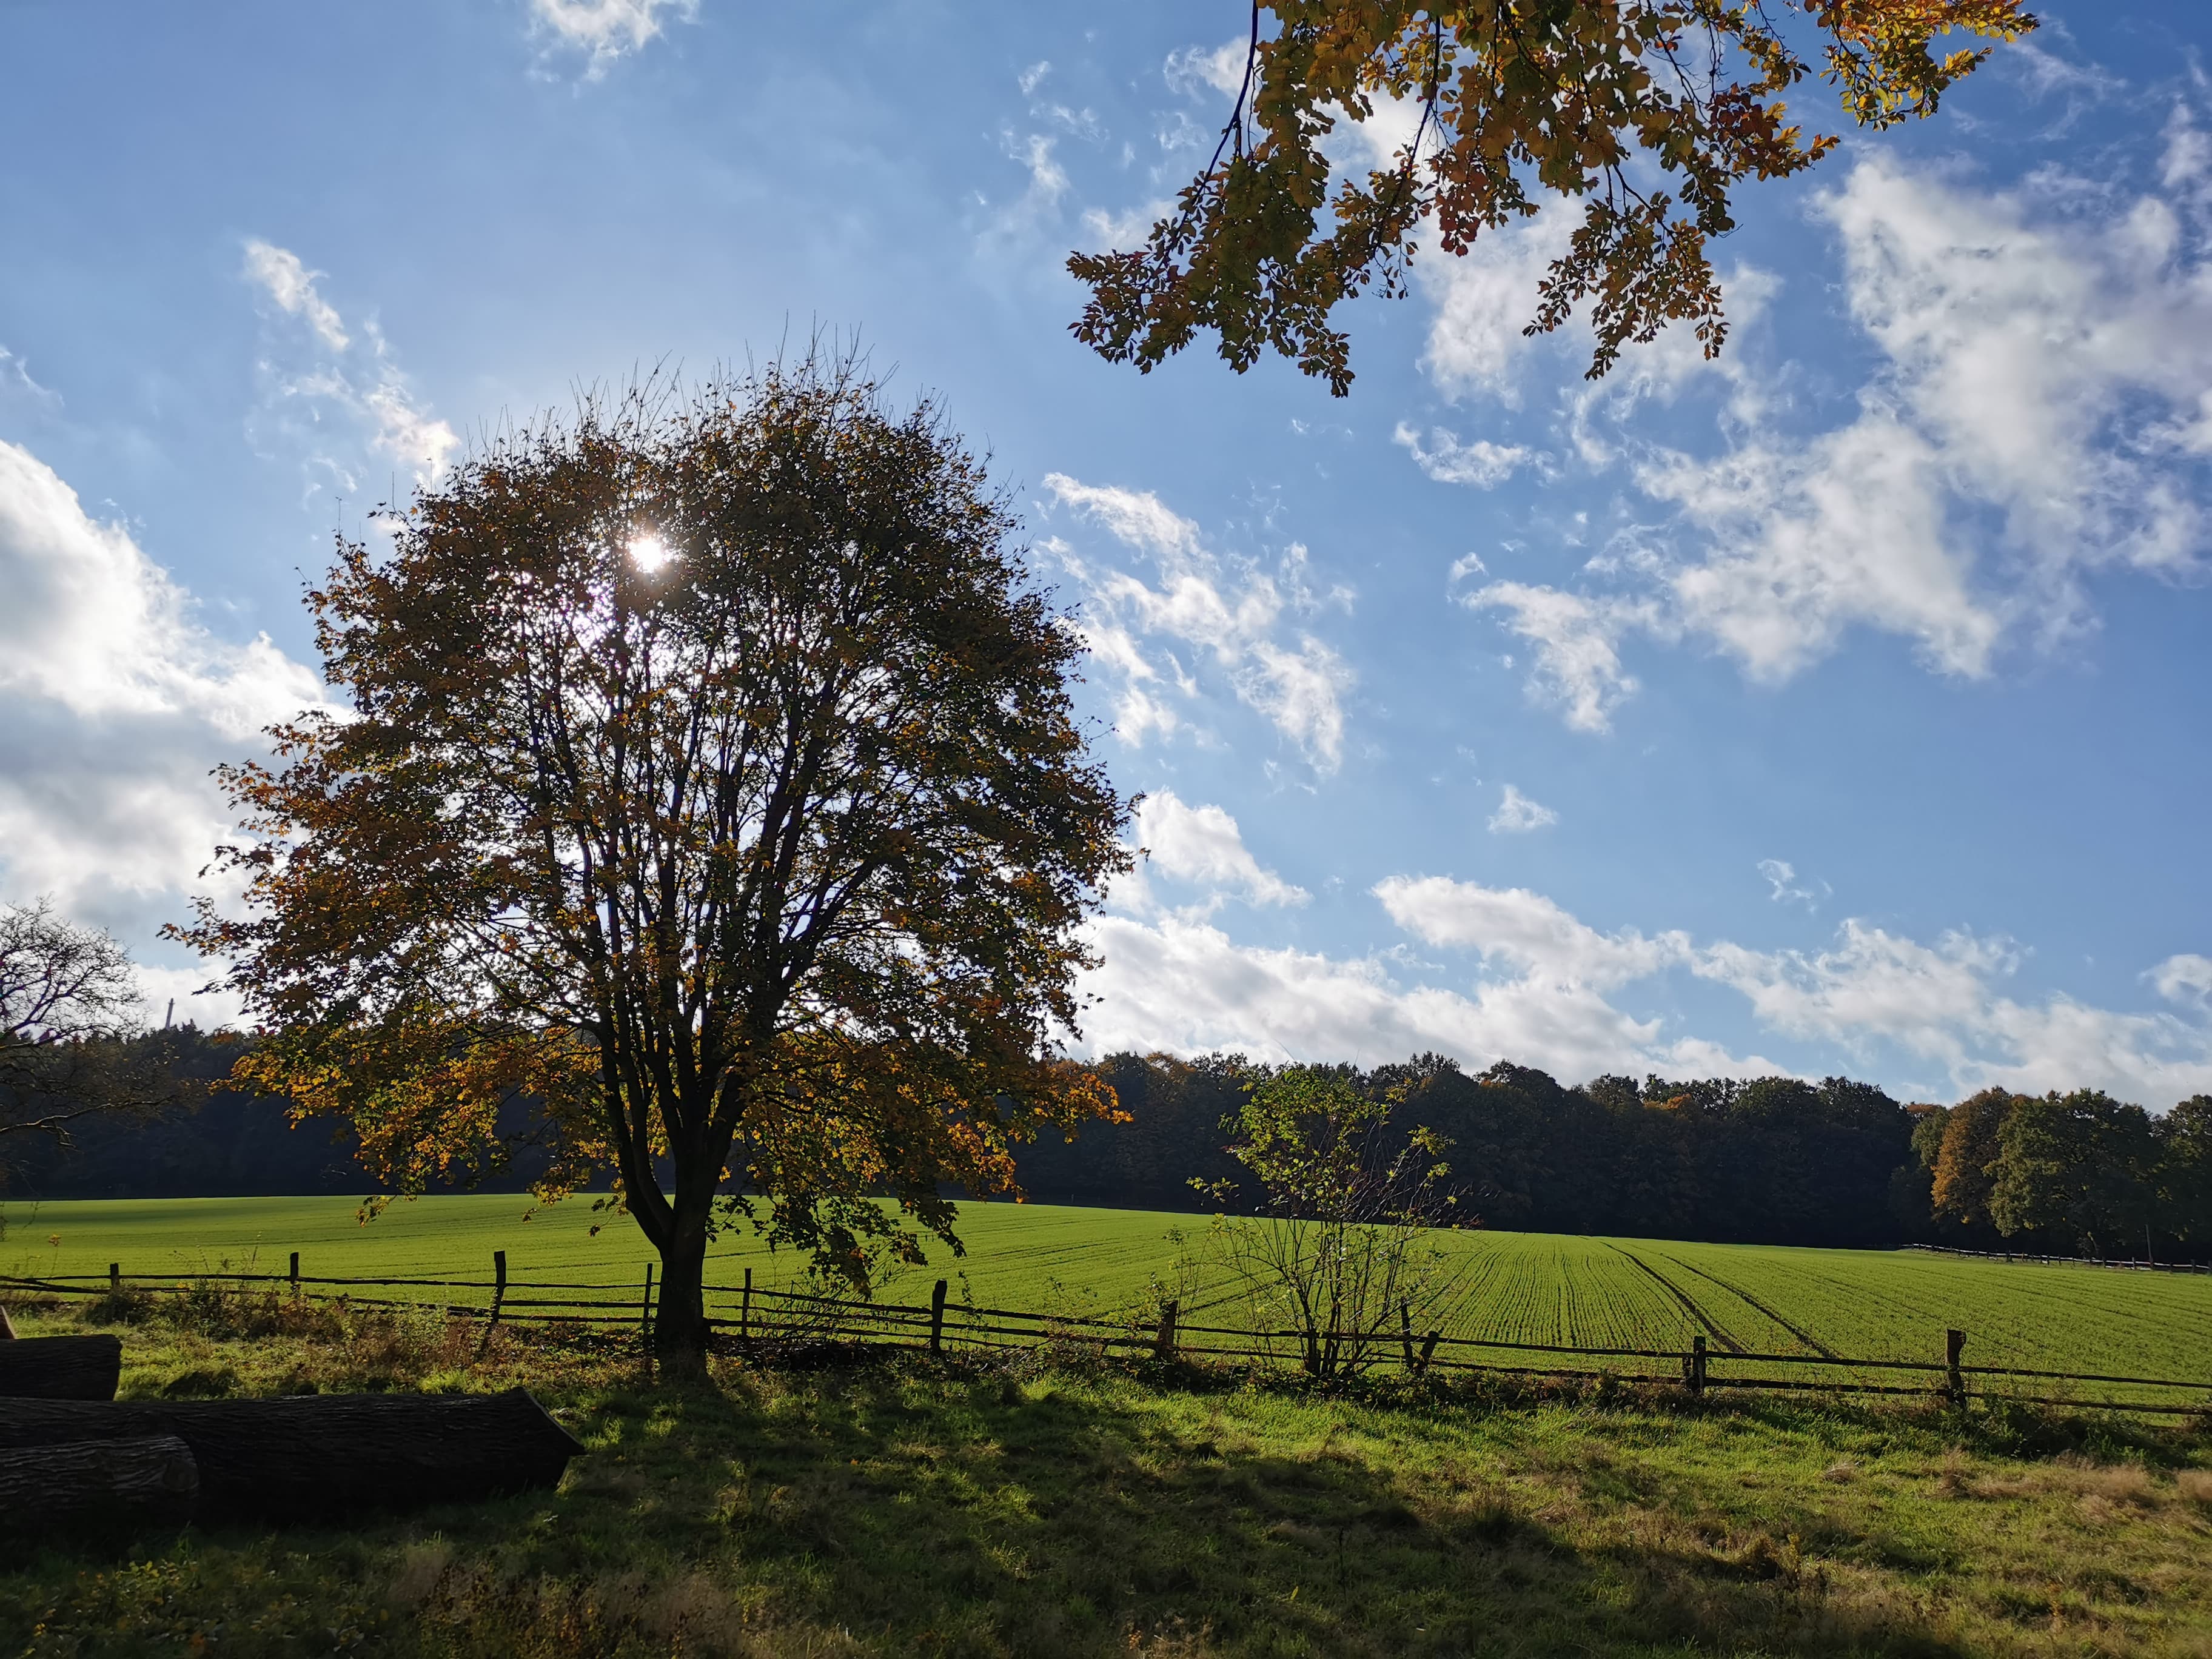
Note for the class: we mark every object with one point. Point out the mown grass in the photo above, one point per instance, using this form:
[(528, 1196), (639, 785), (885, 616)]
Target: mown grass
[(1053, 1504)]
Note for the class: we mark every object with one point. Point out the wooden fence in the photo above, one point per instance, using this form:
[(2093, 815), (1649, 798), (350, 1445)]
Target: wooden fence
[(762, 1319)]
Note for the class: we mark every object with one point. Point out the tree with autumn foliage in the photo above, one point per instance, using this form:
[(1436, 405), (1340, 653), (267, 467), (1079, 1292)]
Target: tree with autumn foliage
[(708, 774), (1647, 112)]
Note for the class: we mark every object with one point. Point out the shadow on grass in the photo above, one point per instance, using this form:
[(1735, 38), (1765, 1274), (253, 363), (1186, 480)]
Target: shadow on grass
[(916, 1507), (907, 1510)]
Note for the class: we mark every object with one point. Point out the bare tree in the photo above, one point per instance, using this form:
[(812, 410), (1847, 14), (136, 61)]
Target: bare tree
[(70, 1029)]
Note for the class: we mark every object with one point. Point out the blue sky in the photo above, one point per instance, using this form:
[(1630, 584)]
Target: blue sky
[(1840, 706)]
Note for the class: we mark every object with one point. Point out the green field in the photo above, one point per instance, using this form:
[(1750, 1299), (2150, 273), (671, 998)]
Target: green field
[(1523, 1287)]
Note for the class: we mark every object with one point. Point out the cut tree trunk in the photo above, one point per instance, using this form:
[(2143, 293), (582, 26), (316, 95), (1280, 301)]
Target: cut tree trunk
[(60, 1367), (98, 1486), (325, 1456)]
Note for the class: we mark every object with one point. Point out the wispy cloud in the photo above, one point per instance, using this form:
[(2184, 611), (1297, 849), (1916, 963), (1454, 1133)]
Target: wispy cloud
[(1446, 460), (1516, 815), (320, 382), (1233, 617), (1785, 888)]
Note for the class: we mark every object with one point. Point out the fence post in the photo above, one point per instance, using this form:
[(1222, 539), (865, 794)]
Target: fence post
[(498, 1295), (1163, 1345), (937, 1318), (1428, 1348), (1694, 1365), (296, 1273), (745, 1308), (115, 1275), (645, 1312), (1405, 1336), (1954, 1341)]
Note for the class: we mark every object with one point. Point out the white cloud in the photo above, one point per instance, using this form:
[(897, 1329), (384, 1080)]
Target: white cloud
[(1547, 996), (335, 385), (1182, 985), (1785, 887), (608, 29), (1195, 70), (290, 287), (1516, 815), (1030, 78), (1048, 178), (1203, 846), (1943, 1002), (1235, 616), (1525, 931), (1445, 459), (1578, 641), (2184, 978), (1484, 299), (2039, 414), (115, 702)]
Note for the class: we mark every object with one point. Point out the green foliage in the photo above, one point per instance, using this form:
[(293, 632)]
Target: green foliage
[(1345, 1247), (2078, 1167)]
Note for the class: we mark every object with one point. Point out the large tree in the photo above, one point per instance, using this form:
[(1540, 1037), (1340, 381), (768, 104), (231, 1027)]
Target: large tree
[(710, 776), (1647, 112), (2078, 1166)]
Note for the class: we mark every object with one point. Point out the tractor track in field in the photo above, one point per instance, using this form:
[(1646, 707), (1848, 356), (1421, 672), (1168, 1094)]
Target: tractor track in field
[(1689, 1302), (1806, 1337)]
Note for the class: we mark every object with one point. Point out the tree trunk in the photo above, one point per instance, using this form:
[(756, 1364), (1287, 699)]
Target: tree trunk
[(325, 1456), (98, 1486), (679, 1334), (61, 1367)]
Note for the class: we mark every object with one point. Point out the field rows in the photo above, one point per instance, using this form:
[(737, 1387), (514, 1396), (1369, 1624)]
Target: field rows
[(1515, 1287)]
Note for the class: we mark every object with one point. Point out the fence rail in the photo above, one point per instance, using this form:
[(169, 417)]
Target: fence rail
[(766, 1318)]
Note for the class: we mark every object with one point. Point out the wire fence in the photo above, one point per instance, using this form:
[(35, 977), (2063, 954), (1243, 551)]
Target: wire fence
[(771, 1319)]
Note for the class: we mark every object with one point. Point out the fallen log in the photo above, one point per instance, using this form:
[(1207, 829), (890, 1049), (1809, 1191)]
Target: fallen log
[(98, 1487), (61, 1367), (313, 1457)]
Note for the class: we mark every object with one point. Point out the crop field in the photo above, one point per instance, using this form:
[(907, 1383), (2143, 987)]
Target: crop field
[(1517, 1287)]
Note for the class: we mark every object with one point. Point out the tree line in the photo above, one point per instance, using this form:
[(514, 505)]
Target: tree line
[(1766, 1160)]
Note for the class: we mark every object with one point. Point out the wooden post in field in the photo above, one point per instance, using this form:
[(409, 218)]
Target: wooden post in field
[(1429, 1347), (745, 1307), (937, 1318), (1405, 1336), (6, 1328), (1695, 1374), (1955, 1380), (115, 1275), (296, 1273), (498, 1295), (1163, 1345), (645, 1310)]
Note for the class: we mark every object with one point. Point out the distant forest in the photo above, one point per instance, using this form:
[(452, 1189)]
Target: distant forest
[(1771, 1160)]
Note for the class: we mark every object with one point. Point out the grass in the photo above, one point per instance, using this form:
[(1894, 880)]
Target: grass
[(1521, 1286), (1053, 1506)]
